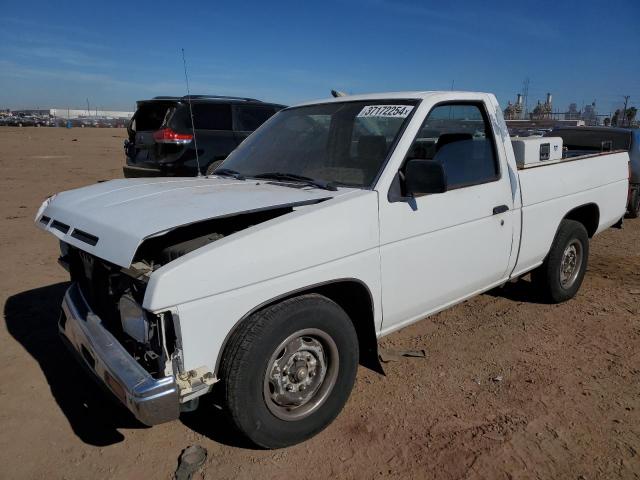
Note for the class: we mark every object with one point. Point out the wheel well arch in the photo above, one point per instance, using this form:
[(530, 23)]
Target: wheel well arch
[(588, 215), (353, 296)]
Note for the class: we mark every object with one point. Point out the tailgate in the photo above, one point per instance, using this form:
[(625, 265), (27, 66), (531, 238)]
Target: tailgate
[(149, 118), (143, 146)]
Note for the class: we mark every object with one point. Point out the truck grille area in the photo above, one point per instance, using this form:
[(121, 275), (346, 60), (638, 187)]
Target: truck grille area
[(103, 284)]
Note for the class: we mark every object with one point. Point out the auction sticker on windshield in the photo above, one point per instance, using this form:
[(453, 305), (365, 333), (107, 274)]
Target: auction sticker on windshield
[(390, 111)]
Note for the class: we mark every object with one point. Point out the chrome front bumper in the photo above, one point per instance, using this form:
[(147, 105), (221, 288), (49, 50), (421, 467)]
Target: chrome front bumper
[(151, 400)]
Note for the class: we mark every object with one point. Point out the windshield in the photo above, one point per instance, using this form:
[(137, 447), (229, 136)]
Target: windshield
[(345, 143)]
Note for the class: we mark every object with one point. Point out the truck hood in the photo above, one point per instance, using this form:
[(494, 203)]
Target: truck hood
[(111, 219)]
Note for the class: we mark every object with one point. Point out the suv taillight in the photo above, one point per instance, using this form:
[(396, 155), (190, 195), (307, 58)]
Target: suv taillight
[(166, 135)]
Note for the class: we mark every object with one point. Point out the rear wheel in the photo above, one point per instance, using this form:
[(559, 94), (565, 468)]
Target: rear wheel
[(560, 276), (289, 370)]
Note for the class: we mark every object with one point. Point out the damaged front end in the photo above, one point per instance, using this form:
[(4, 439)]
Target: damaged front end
[(133, 352), (152, 398), (137, 353), (115, 295)]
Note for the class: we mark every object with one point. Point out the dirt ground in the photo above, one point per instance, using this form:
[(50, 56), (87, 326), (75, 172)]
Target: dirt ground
[(510, 387)]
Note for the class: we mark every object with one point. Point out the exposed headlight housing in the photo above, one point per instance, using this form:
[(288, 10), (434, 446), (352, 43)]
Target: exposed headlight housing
[(133, 318)]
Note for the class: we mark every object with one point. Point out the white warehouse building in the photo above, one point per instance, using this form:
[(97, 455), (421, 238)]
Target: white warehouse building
[(67, 113)]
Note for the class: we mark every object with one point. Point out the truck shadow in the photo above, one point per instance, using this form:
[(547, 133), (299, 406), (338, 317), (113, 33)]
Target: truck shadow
[(520, 291), (212, 422), (31, 318)]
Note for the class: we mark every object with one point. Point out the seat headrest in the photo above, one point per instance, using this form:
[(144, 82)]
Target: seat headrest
[(447, 138)]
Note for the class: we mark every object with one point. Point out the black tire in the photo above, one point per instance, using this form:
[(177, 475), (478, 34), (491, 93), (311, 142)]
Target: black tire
[(554, 284), (247, 390), (634, 204)]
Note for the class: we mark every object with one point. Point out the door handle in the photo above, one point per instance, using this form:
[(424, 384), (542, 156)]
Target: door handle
[(500, 209)]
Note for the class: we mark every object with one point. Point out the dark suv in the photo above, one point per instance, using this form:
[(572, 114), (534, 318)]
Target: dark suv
[(161, 142)]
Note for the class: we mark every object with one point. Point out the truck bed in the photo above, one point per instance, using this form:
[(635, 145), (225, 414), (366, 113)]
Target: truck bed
[(547, 194), (568, 156)]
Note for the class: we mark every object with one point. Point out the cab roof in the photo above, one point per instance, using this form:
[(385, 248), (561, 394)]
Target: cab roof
[(407, 95)]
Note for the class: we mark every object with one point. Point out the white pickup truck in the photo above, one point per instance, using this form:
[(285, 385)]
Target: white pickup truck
[(334, 224)]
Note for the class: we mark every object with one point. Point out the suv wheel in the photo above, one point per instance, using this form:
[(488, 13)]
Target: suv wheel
[(289, 369)]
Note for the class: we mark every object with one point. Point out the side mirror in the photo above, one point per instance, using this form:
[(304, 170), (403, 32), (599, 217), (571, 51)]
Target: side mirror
[(422, 177)]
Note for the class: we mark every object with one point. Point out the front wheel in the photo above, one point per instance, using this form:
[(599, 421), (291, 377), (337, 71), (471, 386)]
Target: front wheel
[(289, 370), (560, 276)]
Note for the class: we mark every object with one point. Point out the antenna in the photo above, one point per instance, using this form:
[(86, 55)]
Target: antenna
[(193, 129)]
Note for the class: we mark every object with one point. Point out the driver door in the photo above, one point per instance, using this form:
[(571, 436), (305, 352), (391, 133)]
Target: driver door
[(440, 248)]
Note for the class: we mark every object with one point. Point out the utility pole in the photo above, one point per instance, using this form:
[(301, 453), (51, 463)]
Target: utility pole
[(624, 113)]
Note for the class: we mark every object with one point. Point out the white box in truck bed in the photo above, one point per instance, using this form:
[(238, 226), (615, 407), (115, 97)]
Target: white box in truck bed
[(532, 150)]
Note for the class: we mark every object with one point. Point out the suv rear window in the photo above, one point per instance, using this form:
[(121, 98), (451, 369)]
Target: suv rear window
[(149, 117), (250, 117)]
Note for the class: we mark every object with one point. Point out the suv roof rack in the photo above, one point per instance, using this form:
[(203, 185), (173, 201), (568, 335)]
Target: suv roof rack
[(199, 97)]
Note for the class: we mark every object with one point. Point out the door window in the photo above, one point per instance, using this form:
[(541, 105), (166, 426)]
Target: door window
[(210, 116), (459, 137)]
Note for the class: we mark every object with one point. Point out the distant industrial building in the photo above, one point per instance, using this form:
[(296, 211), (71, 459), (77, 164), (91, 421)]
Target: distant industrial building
[(514, 111), (543, 115), (590, 115), (572, 113), (67, 113), (543, 110)]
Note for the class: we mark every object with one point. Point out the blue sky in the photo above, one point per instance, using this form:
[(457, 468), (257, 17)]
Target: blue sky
[(57, 54)]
